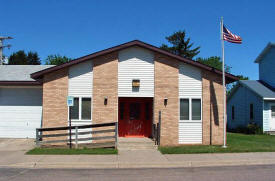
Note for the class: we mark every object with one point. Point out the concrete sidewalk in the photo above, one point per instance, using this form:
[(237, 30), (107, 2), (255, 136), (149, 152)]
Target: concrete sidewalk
[(12, 154), (133, 159)]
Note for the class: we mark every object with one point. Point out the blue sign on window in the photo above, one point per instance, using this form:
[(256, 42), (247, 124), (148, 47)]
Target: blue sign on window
[(70, 101)]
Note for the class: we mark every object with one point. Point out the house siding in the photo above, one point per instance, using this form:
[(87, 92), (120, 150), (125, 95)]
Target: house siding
[(136, 63), (81, 79), (241, 101), (268, 125), (190, 86), (267, 68)]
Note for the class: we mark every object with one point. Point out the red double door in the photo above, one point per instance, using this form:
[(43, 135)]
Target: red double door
[(135, 117)]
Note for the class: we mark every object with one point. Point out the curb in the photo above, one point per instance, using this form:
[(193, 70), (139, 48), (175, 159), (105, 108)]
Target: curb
[(108, 165)]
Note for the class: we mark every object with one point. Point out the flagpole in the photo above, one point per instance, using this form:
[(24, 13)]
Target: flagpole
[(224, 90)]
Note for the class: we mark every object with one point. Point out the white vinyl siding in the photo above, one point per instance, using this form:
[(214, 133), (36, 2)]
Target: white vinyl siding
[(190, 132), (80, 123), (81, 85), (81, 79), (20, 112), (136, 63), (190, 88), (190, 84), (268, 121)]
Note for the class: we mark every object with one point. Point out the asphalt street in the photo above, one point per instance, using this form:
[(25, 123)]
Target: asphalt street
[(232, 173)]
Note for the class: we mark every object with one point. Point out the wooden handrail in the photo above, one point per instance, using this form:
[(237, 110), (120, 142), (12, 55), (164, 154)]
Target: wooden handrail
[(40, 135), (79, 127)]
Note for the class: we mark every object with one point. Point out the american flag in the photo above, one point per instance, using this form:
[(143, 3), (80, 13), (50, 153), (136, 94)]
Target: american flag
[(230, 37)]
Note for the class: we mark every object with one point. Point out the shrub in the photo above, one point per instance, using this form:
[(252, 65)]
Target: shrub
[(251, 128)]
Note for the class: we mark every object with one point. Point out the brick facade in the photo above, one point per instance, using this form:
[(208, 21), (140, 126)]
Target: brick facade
[(166, 86), (55, 110), (55, 91), (212, 107), (105, 84)]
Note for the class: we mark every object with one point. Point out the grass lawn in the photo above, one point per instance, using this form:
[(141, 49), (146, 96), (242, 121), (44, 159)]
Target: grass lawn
[(236, 143), (66, 151)]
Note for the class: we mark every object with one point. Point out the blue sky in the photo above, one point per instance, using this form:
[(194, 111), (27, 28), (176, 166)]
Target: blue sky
[(77, 28)]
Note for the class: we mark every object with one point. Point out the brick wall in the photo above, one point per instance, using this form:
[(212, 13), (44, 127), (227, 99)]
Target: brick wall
[(105, 85), (212, 101), (55, 111), (166, 86), (55, 91)]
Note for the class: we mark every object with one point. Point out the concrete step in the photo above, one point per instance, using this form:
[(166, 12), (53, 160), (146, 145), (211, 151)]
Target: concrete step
[(138, 148), (136, 144)]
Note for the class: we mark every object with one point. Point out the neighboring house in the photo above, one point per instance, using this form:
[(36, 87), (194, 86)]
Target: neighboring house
[(253, 101), (20, 101), (129, 84)]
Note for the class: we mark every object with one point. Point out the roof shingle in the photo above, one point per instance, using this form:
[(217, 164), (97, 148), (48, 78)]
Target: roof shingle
[(20, 72)]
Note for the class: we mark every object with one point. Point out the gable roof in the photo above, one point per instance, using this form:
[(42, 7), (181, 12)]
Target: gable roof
[(39, 74), (258, 88), (264, 52), (19, 74)]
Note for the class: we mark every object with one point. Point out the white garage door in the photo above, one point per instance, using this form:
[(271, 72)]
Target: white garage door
[(20, 112)]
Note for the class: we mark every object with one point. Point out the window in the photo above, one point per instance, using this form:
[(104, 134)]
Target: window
[(251, 111), (233, 112), (196, 109), (86, 109), (184, 109), (81, 109), (273, 112), (190, 109), (75, 109)]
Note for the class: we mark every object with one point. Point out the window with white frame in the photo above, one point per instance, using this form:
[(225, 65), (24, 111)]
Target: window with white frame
[(190, 109), (81, 109)]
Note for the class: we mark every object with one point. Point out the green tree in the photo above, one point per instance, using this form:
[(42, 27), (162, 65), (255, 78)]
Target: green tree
[(180, 45), (241, 77), (33, 58), (21, 58), (214, 61), (57, 60)]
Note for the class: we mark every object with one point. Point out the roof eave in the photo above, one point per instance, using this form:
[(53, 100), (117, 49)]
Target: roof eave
[(269, 99), (264, 52), (19, 83)]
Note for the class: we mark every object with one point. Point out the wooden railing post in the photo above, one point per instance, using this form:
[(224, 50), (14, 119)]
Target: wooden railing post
[(116, 134), (76, 137), (37, 137)]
